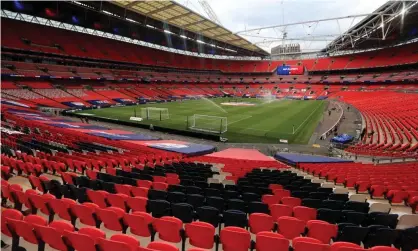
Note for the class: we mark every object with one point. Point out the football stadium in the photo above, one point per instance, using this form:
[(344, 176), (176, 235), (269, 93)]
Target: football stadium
[(239, 120), (193, 125)]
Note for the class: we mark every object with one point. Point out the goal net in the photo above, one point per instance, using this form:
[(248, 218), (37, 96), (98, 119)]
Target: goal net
[(154, 113), (206, 123)]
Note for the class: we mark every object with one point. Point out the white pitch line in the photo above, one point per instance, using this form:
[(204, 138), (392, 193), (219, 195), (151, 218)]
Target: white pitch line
[(307, 118), (249, 116)]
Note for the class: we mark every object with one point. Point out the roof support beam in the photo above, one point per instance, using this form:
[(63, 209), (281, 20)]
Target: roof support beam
[(377, 26), (191, 24), (220, 35), (179, 16), (131, 4), (161, 9), (304, 22), (233, 40), (208, 29)]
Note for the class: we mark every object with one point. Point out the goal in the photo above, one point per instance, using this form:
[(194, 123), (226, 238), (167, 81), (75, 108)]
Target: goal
[(154, 113), (206, 123)]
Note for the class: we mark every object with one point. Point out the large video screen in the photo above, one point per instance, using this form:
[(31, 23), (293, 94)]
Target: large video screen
[(290, 70)]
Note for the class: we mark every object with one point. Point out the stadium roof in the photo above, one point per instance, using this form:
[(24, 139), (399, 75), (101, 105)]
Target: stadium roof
[(184, 18), (394, 22)]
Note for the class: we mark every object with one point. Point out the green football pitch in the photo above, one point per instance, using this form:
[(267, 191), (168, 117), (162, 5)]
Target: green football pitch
[(263, 122)]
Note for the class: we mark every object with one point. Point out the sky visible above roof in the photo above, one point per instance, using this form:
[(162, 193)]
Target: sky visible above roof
[(240, 15)]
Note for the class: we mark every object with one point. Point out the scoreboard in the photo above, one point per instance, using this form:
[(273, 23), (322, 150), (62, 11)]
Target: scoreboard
[(290, 70)]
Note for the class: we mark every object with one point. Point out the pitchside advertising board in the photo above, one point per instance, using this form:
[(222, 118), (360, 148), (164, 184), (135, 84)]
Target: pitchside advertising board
[(290, 70)]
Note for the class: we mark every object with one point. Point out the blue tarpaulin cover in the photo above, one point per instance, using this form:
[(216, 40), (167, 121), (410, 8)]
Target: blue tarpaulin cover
[(294, 158), (342, 138)]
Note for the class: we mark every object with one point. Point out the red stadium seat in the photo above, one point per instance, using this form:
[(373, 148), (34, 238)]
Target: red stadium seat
[(338, 246), (144, 183), (140, 191), (52, 234), (306, 243), (25, 228), (137, 204), (119, 242), (124, 189), (160, 246), (41, 202), (200, 234), (321, 230), (92, 174), (160, 186), (169, 229), (159, 179), (397, 196), (278, 210), (68, 178), (290, 227), (86, 213), (383, 248), (266, 240), (270, 199), (291, 201), (260, 222), (111, 217), (85, 239), (98, 197), (5, 216), (139, 223), (61, 207), (118, 200), (280, 193), (235, 239), (377, 191), (304, 213), (275, 186), (173, 181)]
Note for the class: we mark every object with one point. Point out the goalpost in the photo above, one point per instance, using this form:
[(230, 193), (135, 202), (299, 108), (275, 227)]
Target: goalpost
[(206, 123), (154, 113)]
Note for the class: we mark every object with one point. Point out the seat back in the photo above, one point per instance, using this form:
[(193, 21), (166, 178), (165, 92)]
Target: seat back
[(235, 239), (139, 223), (304, 213), (200, 234), (137, 204), (5, 216), (168, 228), (265, 240), (259, 222), (353, 234), (52, 234), (321, 230), (183, 211), (290, 227), (306, 243), (159, 208), (278, 210), (235, 218), (98, 197), (85, 212), (111, 217), (118, 200), (209, 215)]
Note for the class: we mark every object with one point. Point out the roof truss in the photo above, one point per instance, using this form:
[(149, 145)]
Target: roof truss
[(175, 14)]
